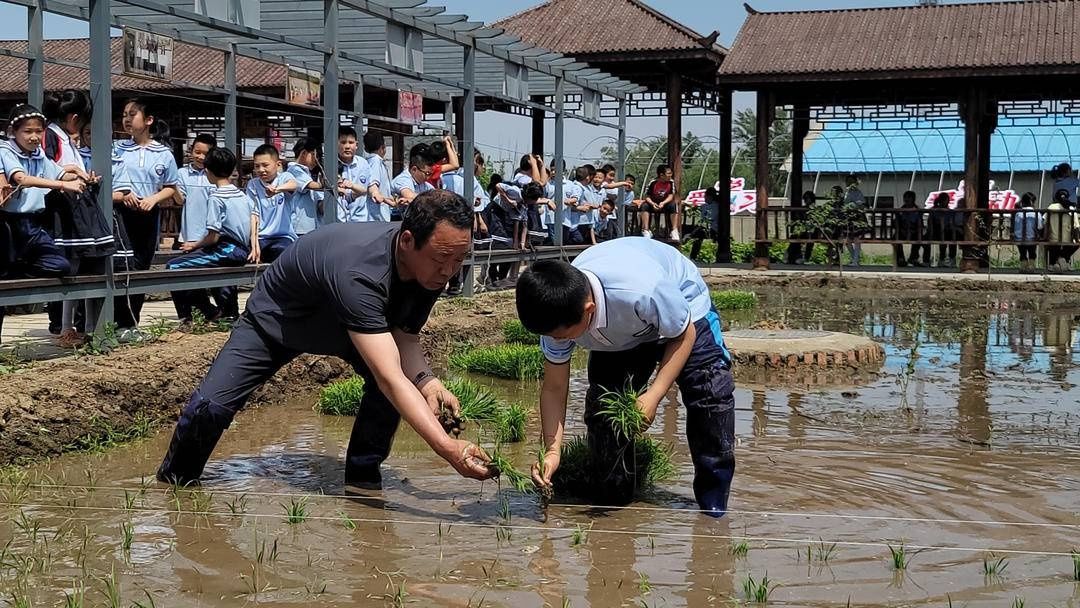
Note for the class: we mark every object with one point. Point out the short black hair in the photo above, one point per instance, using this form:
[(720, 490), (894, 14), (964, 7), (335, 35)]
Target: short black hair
[(205, 138), (266, 150), (220, 162), (436, 152), (305, 144), (1028, 199), (591, 168), (551, 294), (346, 131), (420, 161), (909, 194), (582, 173), (420, 149), (532, 191), (661, 169), (430, 208), (58, 105), (373, 141), (608, 168), (630, 177)]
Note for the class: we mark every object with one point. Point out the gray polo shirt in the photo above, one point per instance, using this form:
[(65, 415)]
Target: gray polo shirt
[(338, 278), (644, 290)]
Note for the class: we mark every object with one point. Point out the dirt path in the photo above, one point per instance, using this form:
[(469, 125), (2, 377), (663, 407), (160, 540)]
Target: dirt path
[(47, 407)]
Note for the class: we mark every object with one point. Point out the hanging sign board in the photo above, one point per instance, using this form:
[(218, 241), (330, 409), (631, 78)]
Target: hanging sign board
[(410, 107), (742, 200), (303, 87), (147, 55)]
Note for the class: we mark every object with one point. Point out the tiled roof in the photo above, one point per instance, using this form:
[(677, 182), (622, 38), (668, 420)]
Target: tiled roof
[(581, 27), (192, 64), (977, 38)]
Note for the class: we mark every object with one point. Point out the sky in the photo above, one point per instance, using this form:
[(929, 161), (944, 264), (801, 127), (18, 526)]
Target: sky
[(506, 136)]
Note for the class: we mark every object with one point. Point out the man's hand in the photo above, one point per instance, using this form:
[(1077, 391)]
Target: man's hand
[(468, 459), (438, 398), (648, 404), (543, 471)]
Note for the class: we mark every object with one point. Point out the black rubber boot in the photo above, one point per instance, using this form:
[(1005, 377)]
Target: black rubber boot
[(197, 433)]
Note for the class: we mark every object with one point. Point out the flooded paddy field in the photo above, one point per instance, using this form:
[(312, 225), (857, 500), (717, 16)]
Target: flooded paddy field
[(959, 460)]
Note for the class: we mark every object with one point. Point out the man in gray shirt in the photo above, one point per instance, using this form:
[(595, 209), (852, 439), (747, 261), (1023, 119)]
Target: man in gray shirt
[(361, 292)]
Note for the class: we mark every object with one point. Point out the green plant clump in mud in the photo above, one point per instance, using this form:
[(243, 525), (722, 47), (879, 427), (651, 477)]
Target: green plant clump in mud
[(758, 592), (513, 361), (102, 435), (476, 402), (515, 333), (1076, 564), (479, 405), (733, 299), (510, 423), (652, 459), (341, 398)]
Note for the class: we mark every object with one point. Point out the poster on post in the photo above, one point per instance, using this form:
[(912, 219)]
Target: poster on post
[(147, 55), (303, 87), (410, 107)]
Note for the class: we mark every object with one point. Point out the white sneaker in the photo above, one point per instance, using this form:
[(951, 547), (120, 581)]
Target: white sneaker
[(647, 234), (675, 235)]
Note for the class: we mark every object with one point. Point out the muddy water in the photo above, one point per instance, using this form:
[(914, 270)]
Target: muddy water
[(967, 442)]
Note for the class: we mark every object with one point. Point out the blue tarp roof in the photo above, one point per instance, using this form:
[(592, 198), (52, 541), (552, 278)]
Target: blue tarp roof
[(1014, 148)]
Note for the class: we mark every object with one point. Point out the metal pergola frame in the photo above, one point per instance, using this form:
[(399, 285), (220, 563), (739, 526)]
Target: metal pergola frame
[(488, 49)]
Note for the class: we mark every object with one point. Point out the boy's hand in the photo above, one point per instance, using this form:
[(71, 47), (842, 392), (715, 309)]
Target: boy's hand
[(648, 404), (146, 204), (254, 256), (271, 190), (542, 473), (188, 246), (131, 201), (75, 186)]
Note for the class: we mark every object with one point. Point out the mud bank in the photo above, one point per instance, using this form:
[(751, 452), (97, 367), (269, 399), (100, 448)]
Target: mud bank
[(52, 407)]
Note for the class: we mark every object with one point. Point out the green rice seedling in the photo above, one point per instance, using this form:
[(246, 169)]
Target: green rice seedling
[(655, 456), (758, 592), (824, 551), (900, 557), (739, 548), (514, 361), (111, 589), (350, 524), (149, 601), (77, 597), (580, 535), (201, 501), (1018, 602), (733, 299), (127, 536), (643, 584), (510, 423), (296, 512), (1076, 564), (506, 471), (20, 600), (264, 555), (477, 403), (237, 505), (29, 526), (994, 566), (315, 586), (341, 398), (515, 333), (129, 500), (620, 410)]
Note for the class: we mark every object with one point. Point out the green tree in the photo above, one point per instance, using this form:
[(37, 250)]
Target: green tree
[(699, 161)]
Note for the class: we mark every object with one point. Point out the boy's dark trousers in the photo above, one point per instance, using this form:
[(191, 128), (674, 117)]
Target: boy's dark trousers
[(271, 247), (706, 385), (26, 249), (248, 359), (224, 253)]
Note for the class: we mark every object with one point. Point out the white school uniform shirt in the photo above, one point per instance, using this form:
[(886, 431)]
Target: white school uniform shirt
[(454, 181), (14, 160), (69, 152), (404, 180), (305, 216), (379, 176), (571, 217), (645, 291), (196, 188), (353, 208), (144, 170), (275, 212), (229, 211)]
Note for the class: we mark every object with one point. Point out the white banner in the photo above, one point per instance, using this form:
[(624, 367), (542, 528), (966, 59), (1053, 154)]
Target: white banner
[(742, 200)]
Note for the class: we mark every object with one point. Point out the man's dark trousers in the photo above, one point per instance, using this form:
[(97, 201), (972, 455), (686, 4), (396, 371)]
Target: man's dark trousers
[(706, 385), (247, 360)]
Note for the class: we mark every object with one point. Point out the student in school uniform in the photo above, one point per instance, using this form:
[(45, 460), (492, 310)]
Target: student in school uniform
[(604, 226), (192, 193), (307, 210), (273, 192), (443, 157), (411, 182), (79, 228), (29, 175), (231, 239), (379, 203), (660, 199), (573, 191), (454, 181), (352, 184), (145, 176), (635, 304), (595, 195)]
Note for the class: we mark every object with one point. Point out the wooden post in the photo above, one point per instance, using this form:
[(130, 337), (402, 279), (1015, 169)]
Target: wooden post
[(723, 224), (800, 128), (761, 177), (674, 132), (980, 120), (537, 127)]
